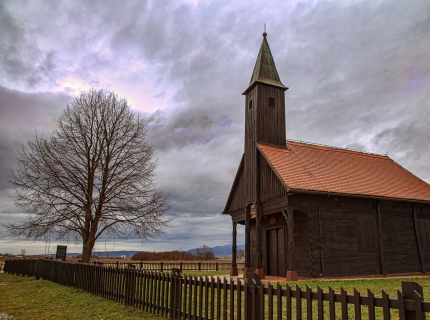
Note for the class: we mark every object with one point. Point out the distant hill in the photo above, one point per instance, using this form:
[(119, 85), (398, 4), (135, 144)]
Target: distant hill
[(218, 251), (106, 254), (221, 250)]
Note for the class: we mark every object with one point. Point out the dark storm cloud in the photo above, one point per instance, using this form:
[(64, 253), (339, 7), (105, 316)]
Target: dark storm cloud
[(22, 116), (169, 131), (21, 60), (359, 80)]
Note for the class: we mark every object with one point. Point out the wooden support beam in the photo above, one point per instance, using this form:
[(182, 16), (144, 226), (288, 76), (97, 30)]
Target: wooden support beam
[(247, 237), (321, 243), (259, 264), (291, 244), (233, 270), (233, 246), (380, 242), (417, 238)]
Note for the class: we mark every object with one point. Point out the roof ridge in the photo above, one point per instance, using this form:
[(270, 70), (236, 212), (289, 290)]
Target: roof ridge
[(338, 149)]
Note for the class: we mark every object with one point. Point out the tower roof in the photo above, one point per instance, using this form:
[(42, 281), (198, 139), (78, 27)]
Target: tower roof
[(265, 69)]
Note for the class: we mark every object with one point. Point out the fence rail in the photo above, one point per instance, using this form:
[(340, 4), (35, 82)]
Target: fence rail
[(181, 265), (173, 296)]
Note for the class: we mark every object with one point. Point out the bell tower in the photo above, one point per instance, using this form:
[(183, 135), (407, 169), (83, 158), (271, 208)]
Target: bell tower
[(264, 122), (264, 113)]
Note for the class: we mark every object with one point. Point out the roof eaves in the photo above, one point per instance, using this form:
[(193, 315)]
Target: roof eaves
[(273, 83), (354, 195)]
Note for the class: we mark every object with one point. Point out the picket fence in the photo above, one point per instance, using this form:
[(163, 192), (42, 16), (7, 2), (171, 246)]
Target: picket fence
[(167, 266), (170, 295)]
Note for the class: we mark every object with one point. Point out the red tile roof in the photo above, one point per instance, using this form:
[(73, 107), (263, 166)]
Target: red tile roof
[(308, 167)]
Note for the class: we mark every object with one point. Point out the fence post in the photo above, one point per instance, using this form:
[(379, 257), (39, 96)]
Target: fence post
[(413, 291), (161, 266), (180, 266), (199, 265), (253, 296), (130, 285), (175, 293), (216, 266)]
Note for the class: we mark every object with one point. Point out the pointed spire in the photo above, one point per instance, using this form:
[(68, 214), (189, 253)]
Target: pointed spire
[(265, 69)]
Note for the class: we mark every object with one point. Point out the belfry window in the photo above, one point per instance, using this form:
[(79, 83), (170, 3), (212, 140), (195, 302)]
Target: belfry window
[(271, 102), (249, 104)]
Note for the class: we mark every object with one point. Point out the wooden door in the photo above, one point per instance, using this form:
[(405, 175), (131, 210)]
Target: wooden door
[(275, 241)]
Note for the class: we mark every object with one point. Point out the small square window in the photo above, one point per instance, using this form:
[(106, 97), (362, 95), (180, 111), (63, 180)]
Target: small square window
[(250, 104), (271, 102)]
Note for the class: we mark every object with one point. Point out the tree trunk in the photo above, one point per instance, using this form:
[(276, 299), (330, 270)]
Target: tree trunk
[(87, 250)]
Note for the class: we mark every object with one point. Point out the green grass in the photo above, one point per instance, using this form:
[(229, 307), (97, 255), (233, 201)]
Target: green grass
[(389, 285), (28, 298)]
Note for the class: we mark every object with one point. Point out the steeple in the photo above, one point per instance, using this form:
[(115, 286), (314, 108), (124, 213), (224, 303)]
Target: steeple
[(265, 69)]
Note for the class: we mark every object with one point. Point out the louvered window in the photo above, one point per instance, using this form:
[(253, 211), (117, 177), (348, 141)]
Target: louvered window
[(271, 102), (366, 237)]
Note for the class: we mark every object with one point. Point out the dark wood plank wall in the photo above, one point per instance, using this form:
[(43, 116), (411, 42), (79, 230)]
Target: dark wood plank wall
[(341, 254), (423, 212), (275, 205), (262, 124), (270, 121), (339, 243), (250, 146), (302, 240), (398, 236), (238, 199), (270, 186)]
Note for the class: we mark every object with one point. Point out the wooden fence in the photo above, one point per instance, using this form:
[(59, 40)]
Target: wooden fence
[(183, 266), (173, 296)]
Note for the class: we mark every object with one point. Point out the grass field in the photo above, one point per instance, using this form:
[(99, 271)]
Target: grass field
[(28, 298)]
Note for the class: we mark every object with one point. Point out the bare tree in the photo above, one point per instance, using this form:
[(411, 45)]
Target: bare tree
[(95, 174), (204, 253), (240, 254)]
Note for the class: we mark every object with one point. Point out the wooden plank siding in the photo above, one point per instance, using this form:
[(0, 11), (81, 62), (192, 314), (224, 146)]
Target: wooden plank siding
[(270, 121), (238, 193), (250, 146), (270, 186), (262, 124), (423, 213), (398, 235)]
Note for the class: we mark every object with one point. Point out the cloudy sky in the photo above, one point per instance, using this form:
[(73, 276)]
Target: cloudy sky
[(358, 73)]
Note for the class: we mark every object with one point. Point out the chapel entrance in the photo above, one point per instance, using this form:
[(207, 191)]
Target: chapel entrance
[(275, 240)]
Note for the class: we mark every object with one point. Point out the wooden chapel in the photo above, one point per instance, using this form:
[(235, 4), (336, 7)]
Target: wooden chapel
[(317, 211)]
